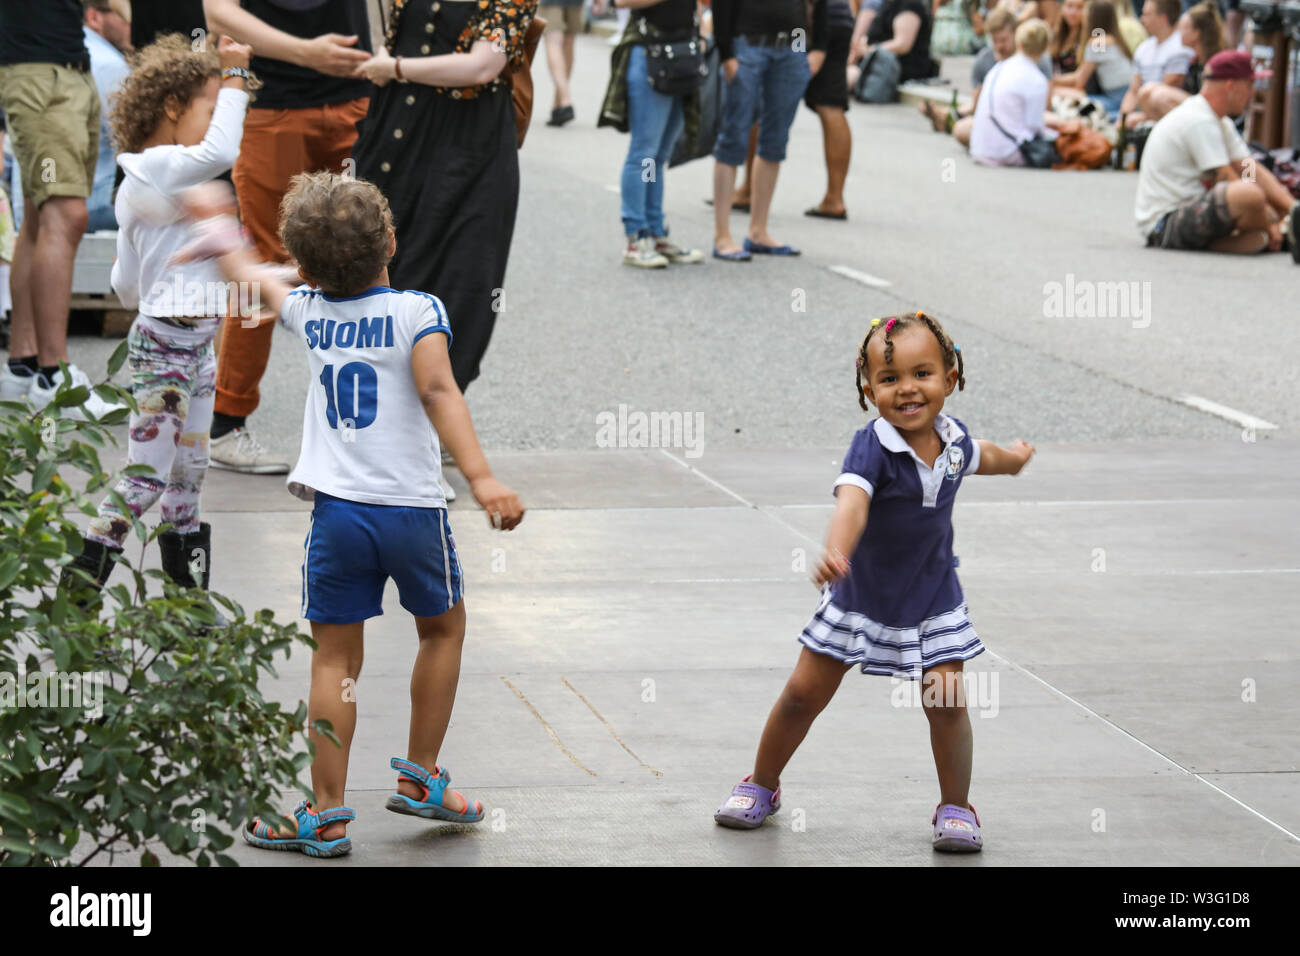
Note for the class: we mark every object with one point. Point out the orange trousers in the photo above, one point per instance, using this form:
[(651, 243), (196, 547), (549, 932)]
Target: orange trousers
[(277, 145)]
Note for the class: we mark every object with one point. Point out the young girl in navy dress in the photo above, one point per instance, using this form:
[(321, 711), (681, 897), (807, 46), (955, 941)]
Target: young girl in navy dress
[(894, 606)]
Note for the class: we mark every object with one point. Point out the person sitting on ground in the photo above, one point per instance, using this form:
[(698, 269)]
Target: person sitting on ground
[(1067, 38), (1130, 27), (1000, 28), (958, 28), (896, 49), (1201, 31), (1014, 108), (1199, 188), (1161, 58), (1105, 59)]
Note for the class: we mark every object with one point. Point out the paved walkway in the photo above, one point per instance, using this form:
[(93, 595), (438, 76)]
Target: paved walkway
[(626, 643)]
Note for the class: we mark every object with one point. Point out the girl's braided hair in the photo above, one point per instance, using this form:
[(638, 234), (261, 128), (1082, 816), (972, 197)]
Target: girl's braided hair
[(886, 326)]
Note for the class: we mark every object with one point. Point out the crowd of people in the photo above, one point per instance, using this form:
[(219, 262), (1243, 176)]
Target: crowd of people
[(379, 169)]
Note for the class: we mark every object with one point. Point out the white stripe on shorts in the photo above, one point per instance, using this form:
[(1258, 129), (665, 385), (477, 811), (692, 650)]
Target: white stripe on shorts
[(446, 565), (306, 557)]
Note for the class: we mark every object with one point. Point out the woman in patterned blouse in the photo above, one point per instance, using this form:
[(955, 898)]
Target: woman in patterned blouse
[(439, 140)]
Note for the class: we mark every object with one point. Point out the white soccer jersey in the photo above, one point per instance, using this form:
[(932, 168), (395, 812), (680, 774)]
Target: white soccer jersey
[(365, 434)]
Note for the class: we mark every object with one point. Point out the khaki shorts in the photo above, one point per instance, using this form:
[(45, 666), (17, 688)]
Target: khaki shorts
[(53, 118), (569, 17)]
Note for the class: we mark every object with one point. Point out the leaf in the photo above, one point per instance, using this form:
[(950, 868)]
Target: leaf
[(14, 804), (71, 397), (149, 858), (42, 473), (118, 357), (10, 565)]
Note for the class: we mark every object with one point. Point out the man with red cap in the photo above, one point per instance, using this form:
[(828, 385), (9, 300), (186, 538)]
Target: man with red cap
[(1199, 188)]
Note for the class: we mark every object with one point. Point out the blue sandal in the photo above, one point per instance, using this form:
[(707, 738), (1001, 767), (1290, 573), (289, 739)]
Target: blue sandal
[(308, 840), (434, 786)]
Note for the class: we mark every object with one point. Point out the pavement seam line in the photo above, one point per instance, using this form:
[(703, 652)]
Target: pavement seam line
[(1109, 723), (541, 720), (610, 728)]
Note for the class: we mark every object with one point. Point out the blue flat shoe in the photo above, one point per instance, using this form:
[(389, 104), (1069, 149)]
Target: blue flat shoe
[(759, 249), (434, 786), (740, 255)]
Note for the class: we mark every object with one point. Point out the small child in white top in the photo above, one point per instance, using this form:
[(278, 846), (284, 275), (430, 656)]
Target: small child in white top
[(178, 120), (382, 395)]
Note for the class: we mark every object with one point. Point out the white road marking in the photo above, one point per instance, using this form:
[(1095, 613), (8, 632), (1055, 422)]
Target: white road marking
[(857, 275), (1223, 411), (613, 189)]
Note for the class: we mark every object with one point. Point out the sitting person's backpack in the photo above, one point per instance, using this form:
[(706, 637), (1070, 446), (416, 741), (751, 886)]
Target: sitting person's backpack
[(878, 81)]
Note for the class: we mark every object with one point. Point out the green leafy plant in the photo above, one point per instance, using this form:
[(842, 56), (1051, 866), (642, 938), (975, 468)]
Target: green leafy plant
[(155, 732)]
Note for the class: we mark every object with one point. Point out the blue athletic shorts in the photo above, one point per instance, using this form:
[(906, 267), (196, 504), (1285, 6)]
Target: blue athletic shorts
[(352, 549)]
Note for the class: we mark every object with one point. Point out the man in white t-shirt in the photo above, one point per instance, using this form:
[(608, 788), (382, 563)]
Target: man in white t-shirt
[(1160, 59), (1198, 187), (1012, 107)]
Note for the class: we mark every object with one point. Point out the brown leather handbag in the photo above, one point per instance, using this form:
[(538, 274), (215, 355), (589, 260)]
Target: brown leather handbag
[(1086, 149), (520, 76)]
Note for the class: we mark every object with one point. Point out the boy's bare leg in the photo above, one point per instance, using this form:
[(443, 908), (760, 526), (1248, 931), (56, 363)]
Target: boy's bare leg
[(333, 697), (433, 693), (810, 688)]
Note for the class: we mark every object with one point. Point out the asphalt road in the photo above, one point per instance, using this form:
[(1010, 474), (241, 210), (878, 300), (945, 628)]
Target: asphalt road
[(986, 250)]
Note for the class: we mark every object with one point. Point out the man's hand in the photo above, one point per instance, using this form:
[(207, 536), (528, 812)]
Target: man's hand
[(859, 51), (379, 69), (231, 53), (504, 509), (1275, 236), (333, 55), (730, 68)]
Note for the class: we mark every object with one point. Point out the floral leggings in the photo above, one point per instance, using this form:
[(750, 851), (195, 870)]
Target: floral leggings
[(173, 380)]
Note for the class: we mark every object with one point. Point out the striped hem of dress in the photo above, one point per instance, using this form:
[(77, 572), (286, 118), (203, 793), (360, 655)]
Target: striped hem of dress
[(905, 652)]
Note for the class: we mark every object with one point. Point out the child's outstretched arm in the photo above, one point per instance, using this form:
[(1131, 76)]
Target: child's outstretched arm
[(995, 460), (446, 408), (848, 522)]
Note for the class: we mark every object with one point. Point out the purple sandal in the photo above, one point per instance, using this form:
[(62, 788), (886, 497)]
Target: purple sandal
[(748, 806), (956, 829)]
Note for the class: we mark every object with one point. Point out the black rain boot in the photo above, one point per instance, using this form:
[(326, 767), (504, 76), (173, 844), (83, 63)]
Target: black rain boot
[(179, 550), (96, 560)]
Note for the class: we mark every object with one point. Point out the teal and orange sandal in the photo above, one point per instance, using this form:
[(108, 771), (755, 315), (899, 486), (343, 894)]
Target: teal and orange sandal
[(308, 840), (434, 786)]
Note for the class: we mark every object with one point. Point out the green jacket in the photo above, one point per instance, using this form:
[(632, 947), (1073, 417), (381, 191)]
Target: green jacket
[(614, 111)]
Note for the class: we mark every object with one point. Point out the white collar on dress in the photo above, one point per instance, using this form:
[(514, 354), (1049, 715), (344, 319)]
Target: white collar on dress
[(948, 429)]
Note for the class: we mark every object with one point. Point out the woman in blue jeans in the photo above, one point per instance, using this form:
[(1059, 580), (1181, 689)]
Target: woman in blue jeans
[(767, 61), (655, 120)]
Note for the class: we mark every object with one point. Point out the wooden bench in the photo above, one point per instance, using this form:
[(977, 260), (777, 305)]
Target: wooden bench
[(92, 288)]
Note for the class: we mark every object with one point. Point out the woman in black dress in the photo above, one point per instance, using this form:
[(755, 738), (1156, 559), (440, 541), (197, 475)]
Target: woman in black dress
[(440, 141)]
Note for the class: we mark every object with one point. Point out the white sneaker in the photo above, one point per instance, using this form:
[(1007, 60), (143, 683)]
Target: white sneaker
[(448, 491), (641, 253), (94, 405), (238, 450), (13, 387), (675, 253)]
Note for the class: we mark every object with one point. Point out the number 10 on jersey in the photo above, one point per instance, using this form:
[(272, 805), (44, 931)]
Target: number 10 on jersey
[(353, 395)]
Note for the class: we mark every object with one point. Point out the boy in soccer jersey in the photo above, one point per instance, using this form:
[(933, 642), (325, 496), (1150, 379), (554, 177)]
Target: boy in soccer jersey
[(382, 396)]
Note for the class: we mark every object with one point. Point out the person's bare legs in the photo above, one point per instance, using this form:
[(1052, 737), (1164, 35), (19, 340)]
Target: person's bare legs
[(335, 667), (1157, 99), (724, 182), (558, 65), (944, 701), (1242, 243), (43, 258), (765, 175), (434, 679), (810, 688), (837, 141), (961, 130), (22, 327), (743, 191)]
